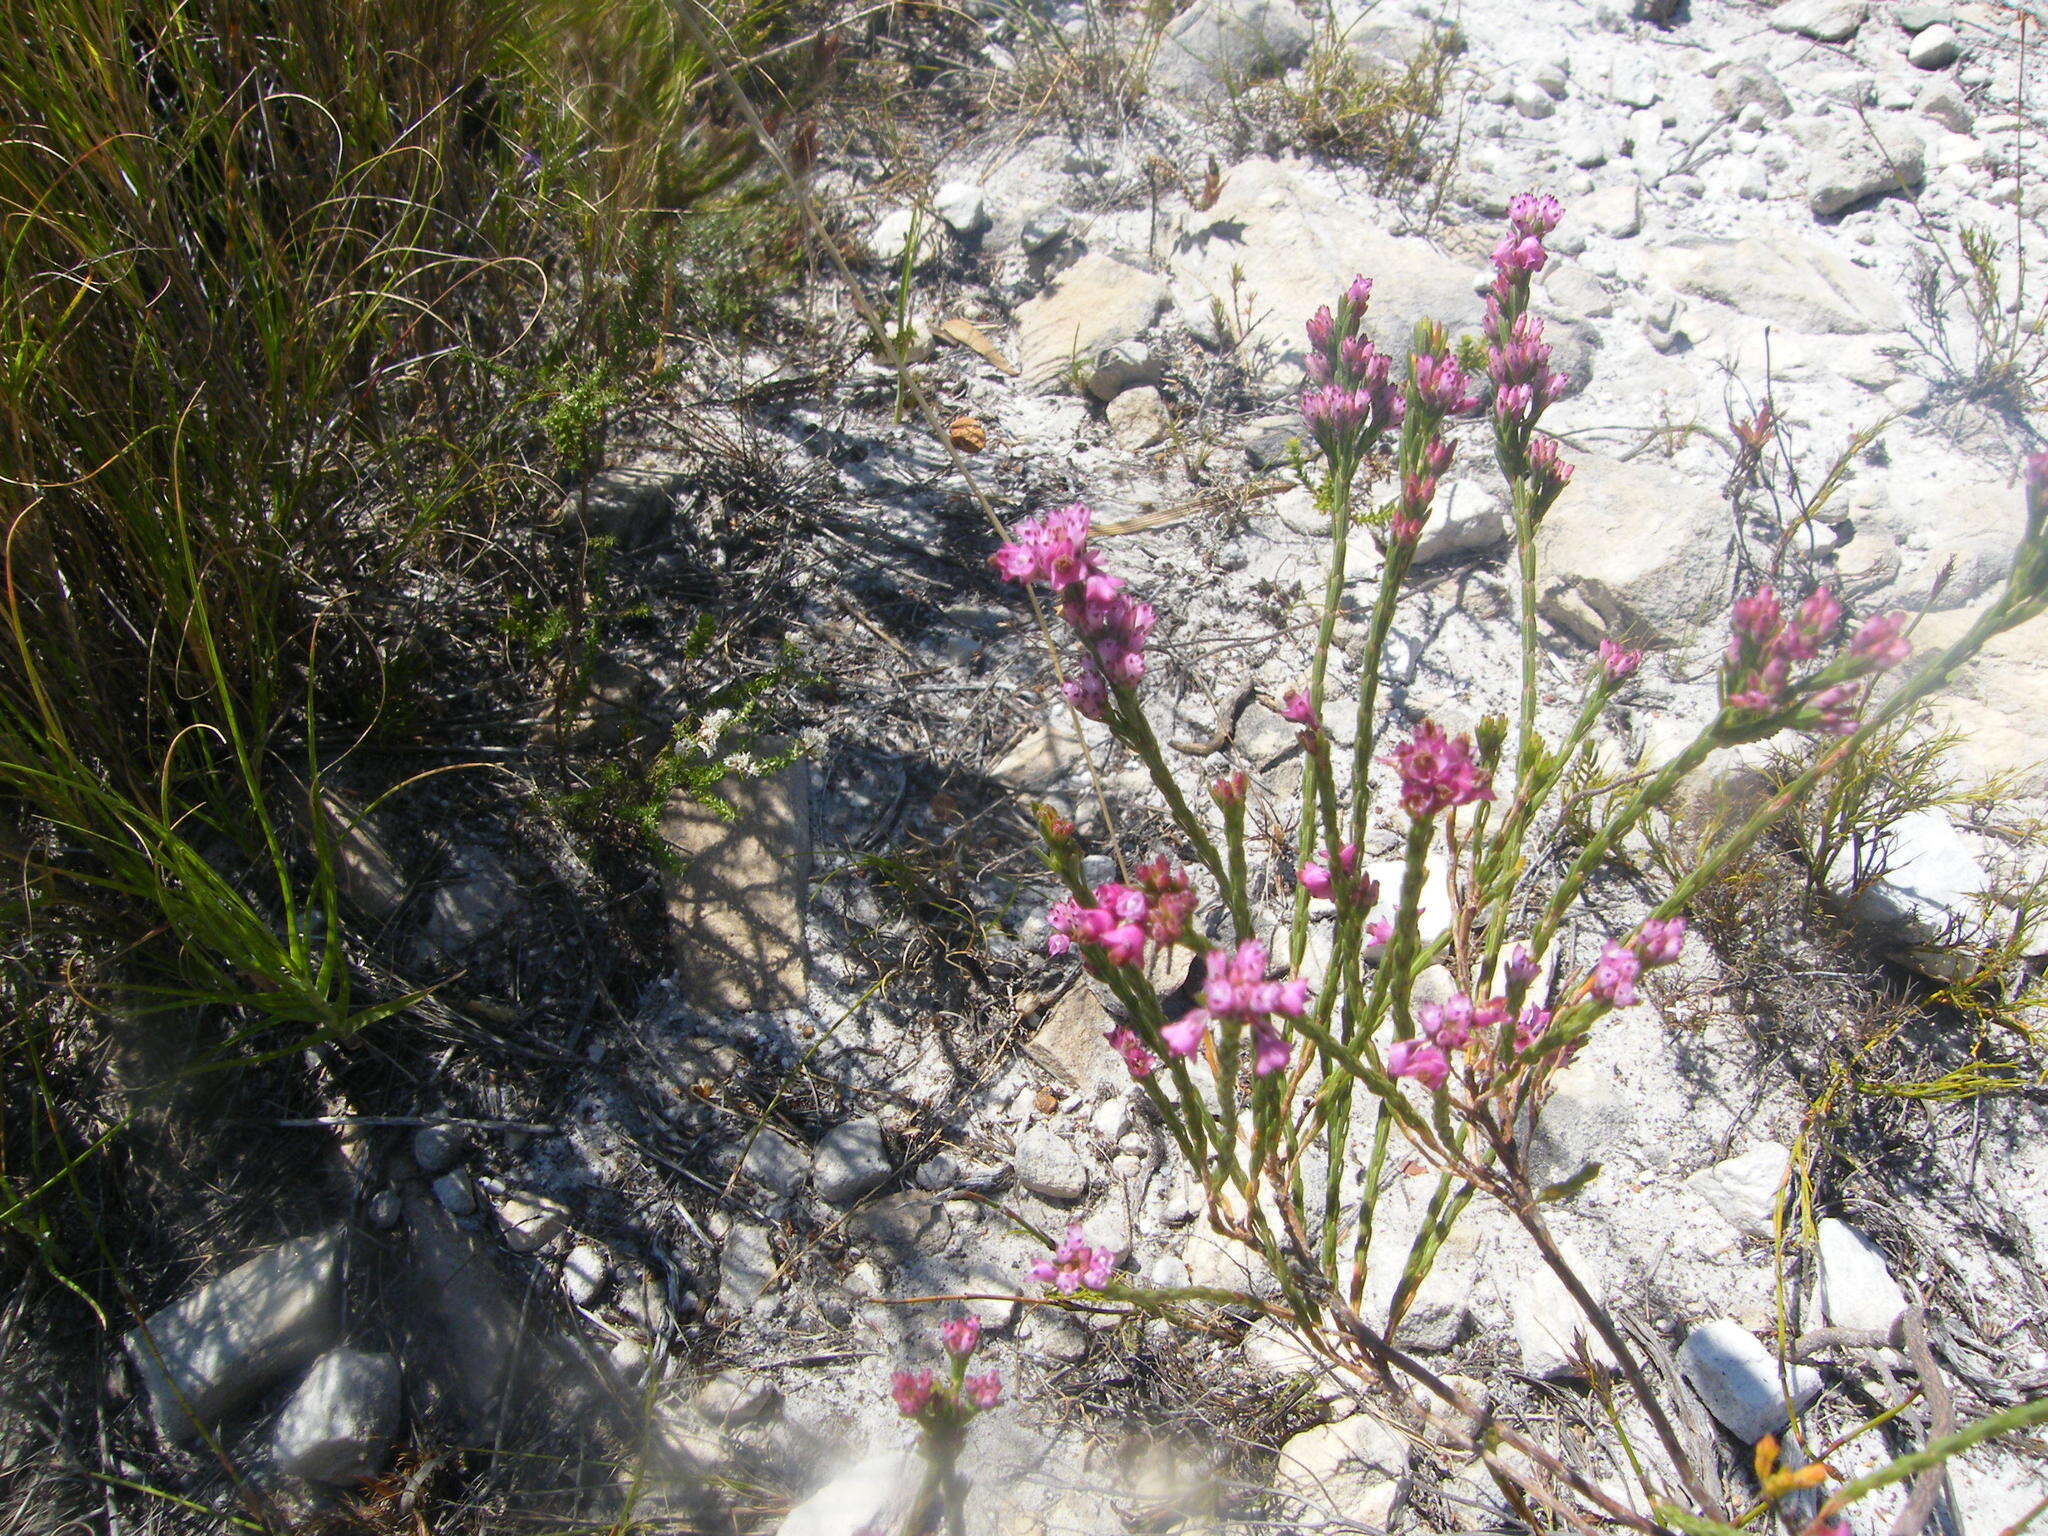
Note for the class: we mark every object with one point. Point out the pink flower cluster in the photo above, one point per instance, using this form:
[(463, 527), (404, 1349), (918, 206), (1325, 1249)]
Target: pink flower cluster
[(1616, 971), (1053, 550), (1524, 383), (1451, 1026), (1438, 772), (1618, 664), (1074, 1265), (1765, 644), (1125, 917), (1352, 397), (1237, 990)]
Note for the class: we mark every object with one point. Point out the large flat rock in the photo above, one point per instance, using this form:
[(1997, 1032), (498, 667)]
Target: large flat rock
[(735, 892)]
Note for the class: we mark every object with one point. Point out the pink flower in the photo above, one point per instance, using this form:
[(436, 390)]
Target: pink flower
[(983, 1391), (912, 1391), (1420, 1060), (1269, 1048), (1614, 975), (1438, 773), (1073, 1266), (961, 1336), (1661, 940), (1531, 1026), (1617, 663), (1185, 1035), (1881, 643), (1127, 1045), (1440, 384)]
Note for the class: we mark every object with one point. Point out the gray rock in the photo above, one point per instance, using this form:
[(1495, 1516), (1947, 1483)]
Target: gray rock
[(338, 1426), (1936, 48), (1825, 21), (1750, 84), (1217, 46), (1738, 1379), (1745, 1189), (746, 1265), (775, 1162), (439, 1147), (962, 207), (584, 1273), (1044, 229), (1138, 418), (472, 905), (456, 1194), (224, 1343), (850, 1161), (1126, 365), (1854, 1287), (529, 1222), (1863, 160), (1048, 1164), (367, 876)]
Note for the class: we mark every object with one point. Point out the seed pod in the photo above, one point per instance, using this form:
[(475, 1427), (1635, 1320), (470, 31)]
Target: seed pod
[(967, 434)]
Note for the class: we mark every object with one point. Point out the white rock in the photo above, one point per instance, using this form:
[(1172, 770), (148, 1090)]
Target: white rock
[(1097, 302), (338, 1425), (875, 1494), (1738, 1379), (1862, 160), (850, 1160), (1350, 1469), (1596, 551), (1138, 418), (962, 207), (1550, 1327), (584, 1273), (1803, 285), (229, 1340), (1825, 21), (1931, 887), (1745, 1189), (1217, 46), (1936, 48), (1854, 1286), (1616, 212), (530, 1222), (1048, 1164)]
